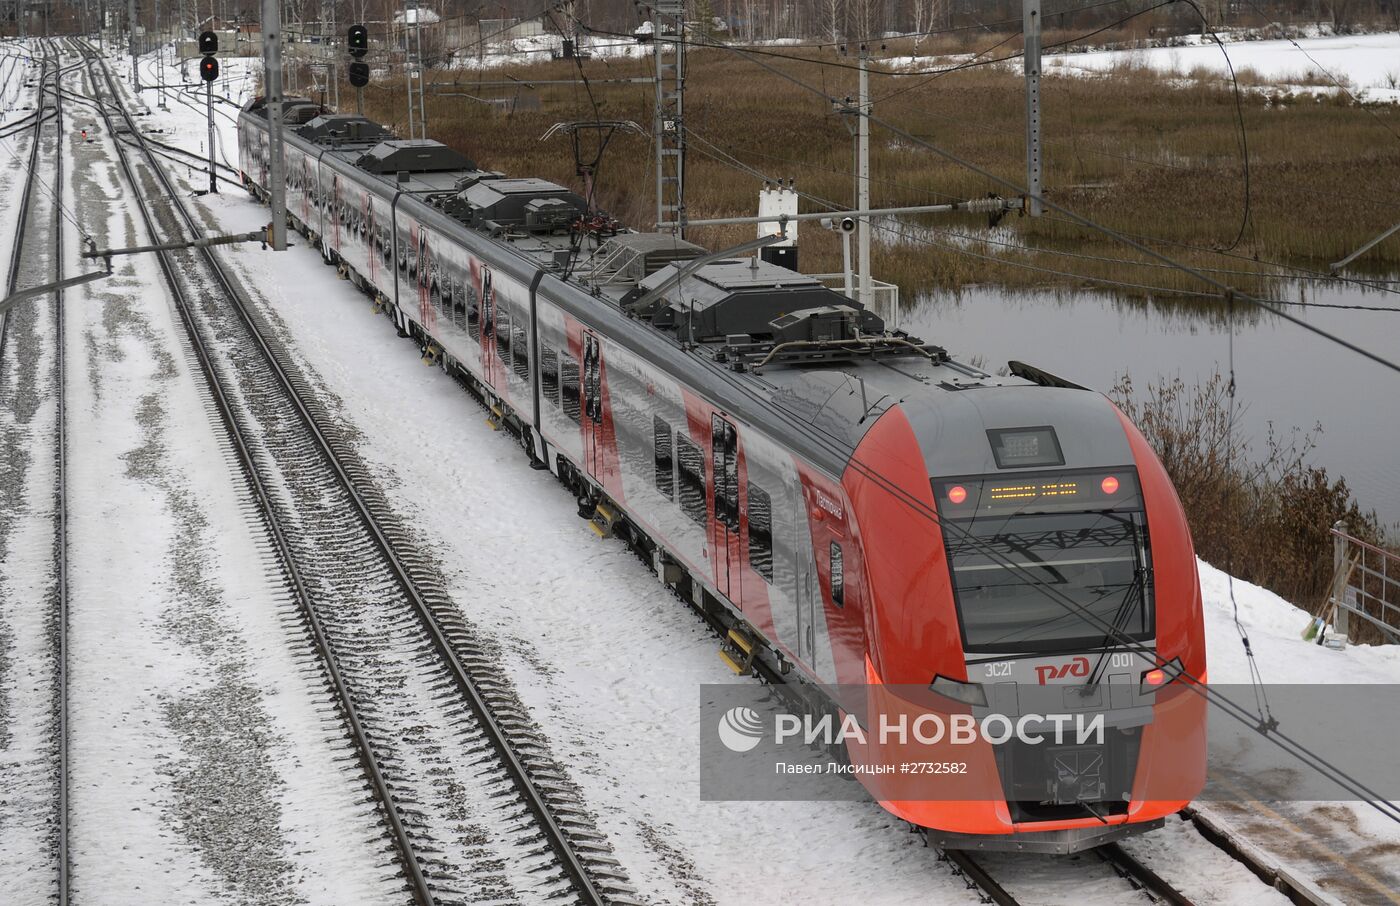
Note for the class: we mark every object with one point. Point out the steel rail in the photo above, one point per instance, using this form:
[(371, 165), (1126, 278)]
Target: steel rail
[(534, 800), (17, 249), (52, 71), (61, 495), (978, 876), (1141, 875), (421, 889)]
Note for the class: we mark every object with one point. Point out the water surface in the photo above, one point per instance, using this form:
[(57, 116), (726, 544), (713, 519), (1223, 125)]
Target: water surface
[(1285, 375)]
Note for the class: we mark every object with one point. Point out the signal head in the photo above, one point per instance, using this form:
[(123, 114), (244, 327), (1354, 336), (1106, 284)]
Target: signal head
[(359, 74), (208, 69), (208, 42), (357, 40)]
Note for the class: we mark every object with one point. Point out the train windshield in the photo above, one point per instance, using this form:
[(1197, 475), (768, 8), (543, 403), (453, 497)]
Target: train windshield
[(1048, 563)]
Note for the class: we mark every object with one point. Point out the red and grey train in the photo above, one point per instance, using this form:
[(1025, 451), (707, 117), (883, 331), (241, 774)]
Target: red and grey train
[(859, 506)]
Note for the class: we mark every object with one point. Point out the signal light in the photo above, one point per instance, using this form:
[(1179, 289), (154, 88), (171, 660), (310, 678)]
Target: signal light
[(208, 42), (957, 493), (359, 74), (357, 41), (208, 69), (1157, 677), (1109, 485)]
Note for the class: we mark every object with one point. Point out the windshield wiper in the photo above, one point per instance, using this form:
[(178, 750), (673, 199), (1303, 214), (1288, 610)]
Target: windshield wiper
[(1130, 602)]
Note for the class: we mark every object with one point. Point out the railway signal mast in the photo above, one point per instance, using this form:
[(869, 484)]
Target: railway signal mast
[(357, 42), (209, 71), (272, 91)]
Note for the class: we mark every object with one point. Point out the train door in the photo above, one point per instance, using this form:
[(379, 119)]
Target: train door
[(724, 497), (333, 213), (808, 593), (593, 404), (487, 323)]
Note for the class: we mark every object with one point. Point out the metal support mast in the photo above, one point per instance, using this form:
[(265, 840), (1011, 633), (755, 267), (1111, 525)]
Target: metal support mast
[(422, 76), (272, 91), (863, 179), (209, 114), (131, 44), (668, 126), (1031, 27)]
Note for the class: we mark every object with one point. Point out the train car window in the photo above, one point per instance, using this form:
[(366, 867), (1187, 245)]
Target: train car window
[(568, 379), (520, 346), (459, 303), (549, 374), (838, 576), (692, 479), (473, 314), (665, 460), (502, 332), (761, 532), (502, 326)]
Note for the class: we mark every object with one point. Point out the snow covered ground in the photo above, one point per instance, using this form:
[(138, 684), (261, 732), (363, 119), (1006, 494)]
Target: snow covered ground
[(610, 663), (207, 760), (1369, 65)]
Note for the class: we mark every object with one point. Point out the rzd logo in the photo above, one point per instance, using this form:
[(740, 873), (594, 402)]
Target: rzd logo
[(1076, 667)]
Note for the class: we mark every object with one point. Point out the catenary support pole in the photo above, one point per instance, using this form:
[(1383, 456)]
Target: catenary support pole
[(131, 44), (272, 81), (1031, 25), (209, 111), (422, 73), (863, 177)]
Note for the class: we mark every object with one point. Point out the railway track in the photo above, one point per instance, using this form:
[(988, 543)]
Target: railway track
[(37, 395), (475, 806)]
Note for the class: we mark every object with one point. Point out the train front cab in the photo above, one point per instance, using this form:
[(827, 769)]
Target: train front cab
[(1057, 483)]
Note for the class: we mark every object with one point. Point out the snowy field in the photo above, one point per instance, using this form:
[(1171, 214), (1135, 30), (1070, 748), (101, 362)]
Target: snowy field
[(1368, 65)]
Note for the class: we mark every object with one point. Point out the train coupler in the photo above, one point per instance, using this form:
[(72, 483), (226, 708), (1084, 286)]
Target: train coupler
[(605, 519), (738, 652)]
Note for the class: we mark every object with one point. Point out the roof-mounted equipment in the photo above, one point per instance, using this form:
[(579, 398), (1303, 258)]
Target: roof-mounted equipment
[(413, 156), (532, 205)]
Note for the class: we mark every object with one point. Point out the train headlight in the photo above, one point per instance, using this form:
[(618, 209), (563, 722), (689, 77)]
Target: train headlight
[(967, 693), (1157, 677)]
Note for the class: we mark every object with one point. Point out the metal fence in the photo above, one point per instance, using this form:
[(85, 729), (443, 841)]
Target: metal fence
[(1365, 594)]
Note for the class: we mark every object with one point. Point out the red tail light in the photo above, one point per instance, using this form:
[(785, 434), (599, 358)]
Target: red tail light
[(1109, 485), (957, 493)]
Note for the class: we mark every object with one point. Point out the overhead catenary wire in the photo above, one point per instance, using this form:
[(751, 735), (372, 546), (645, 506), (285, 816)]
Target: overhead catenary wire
[(899, 231), (818, 436), (1018, 189), (1264, 721)]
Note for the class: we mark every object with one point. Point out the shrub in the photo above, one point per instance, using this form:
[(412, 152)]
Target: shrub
[(1263, 516)]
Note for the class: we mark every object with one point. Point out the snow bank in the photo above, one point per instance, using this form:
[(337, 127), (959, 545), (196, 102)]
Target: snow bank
[(1368, 64)]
